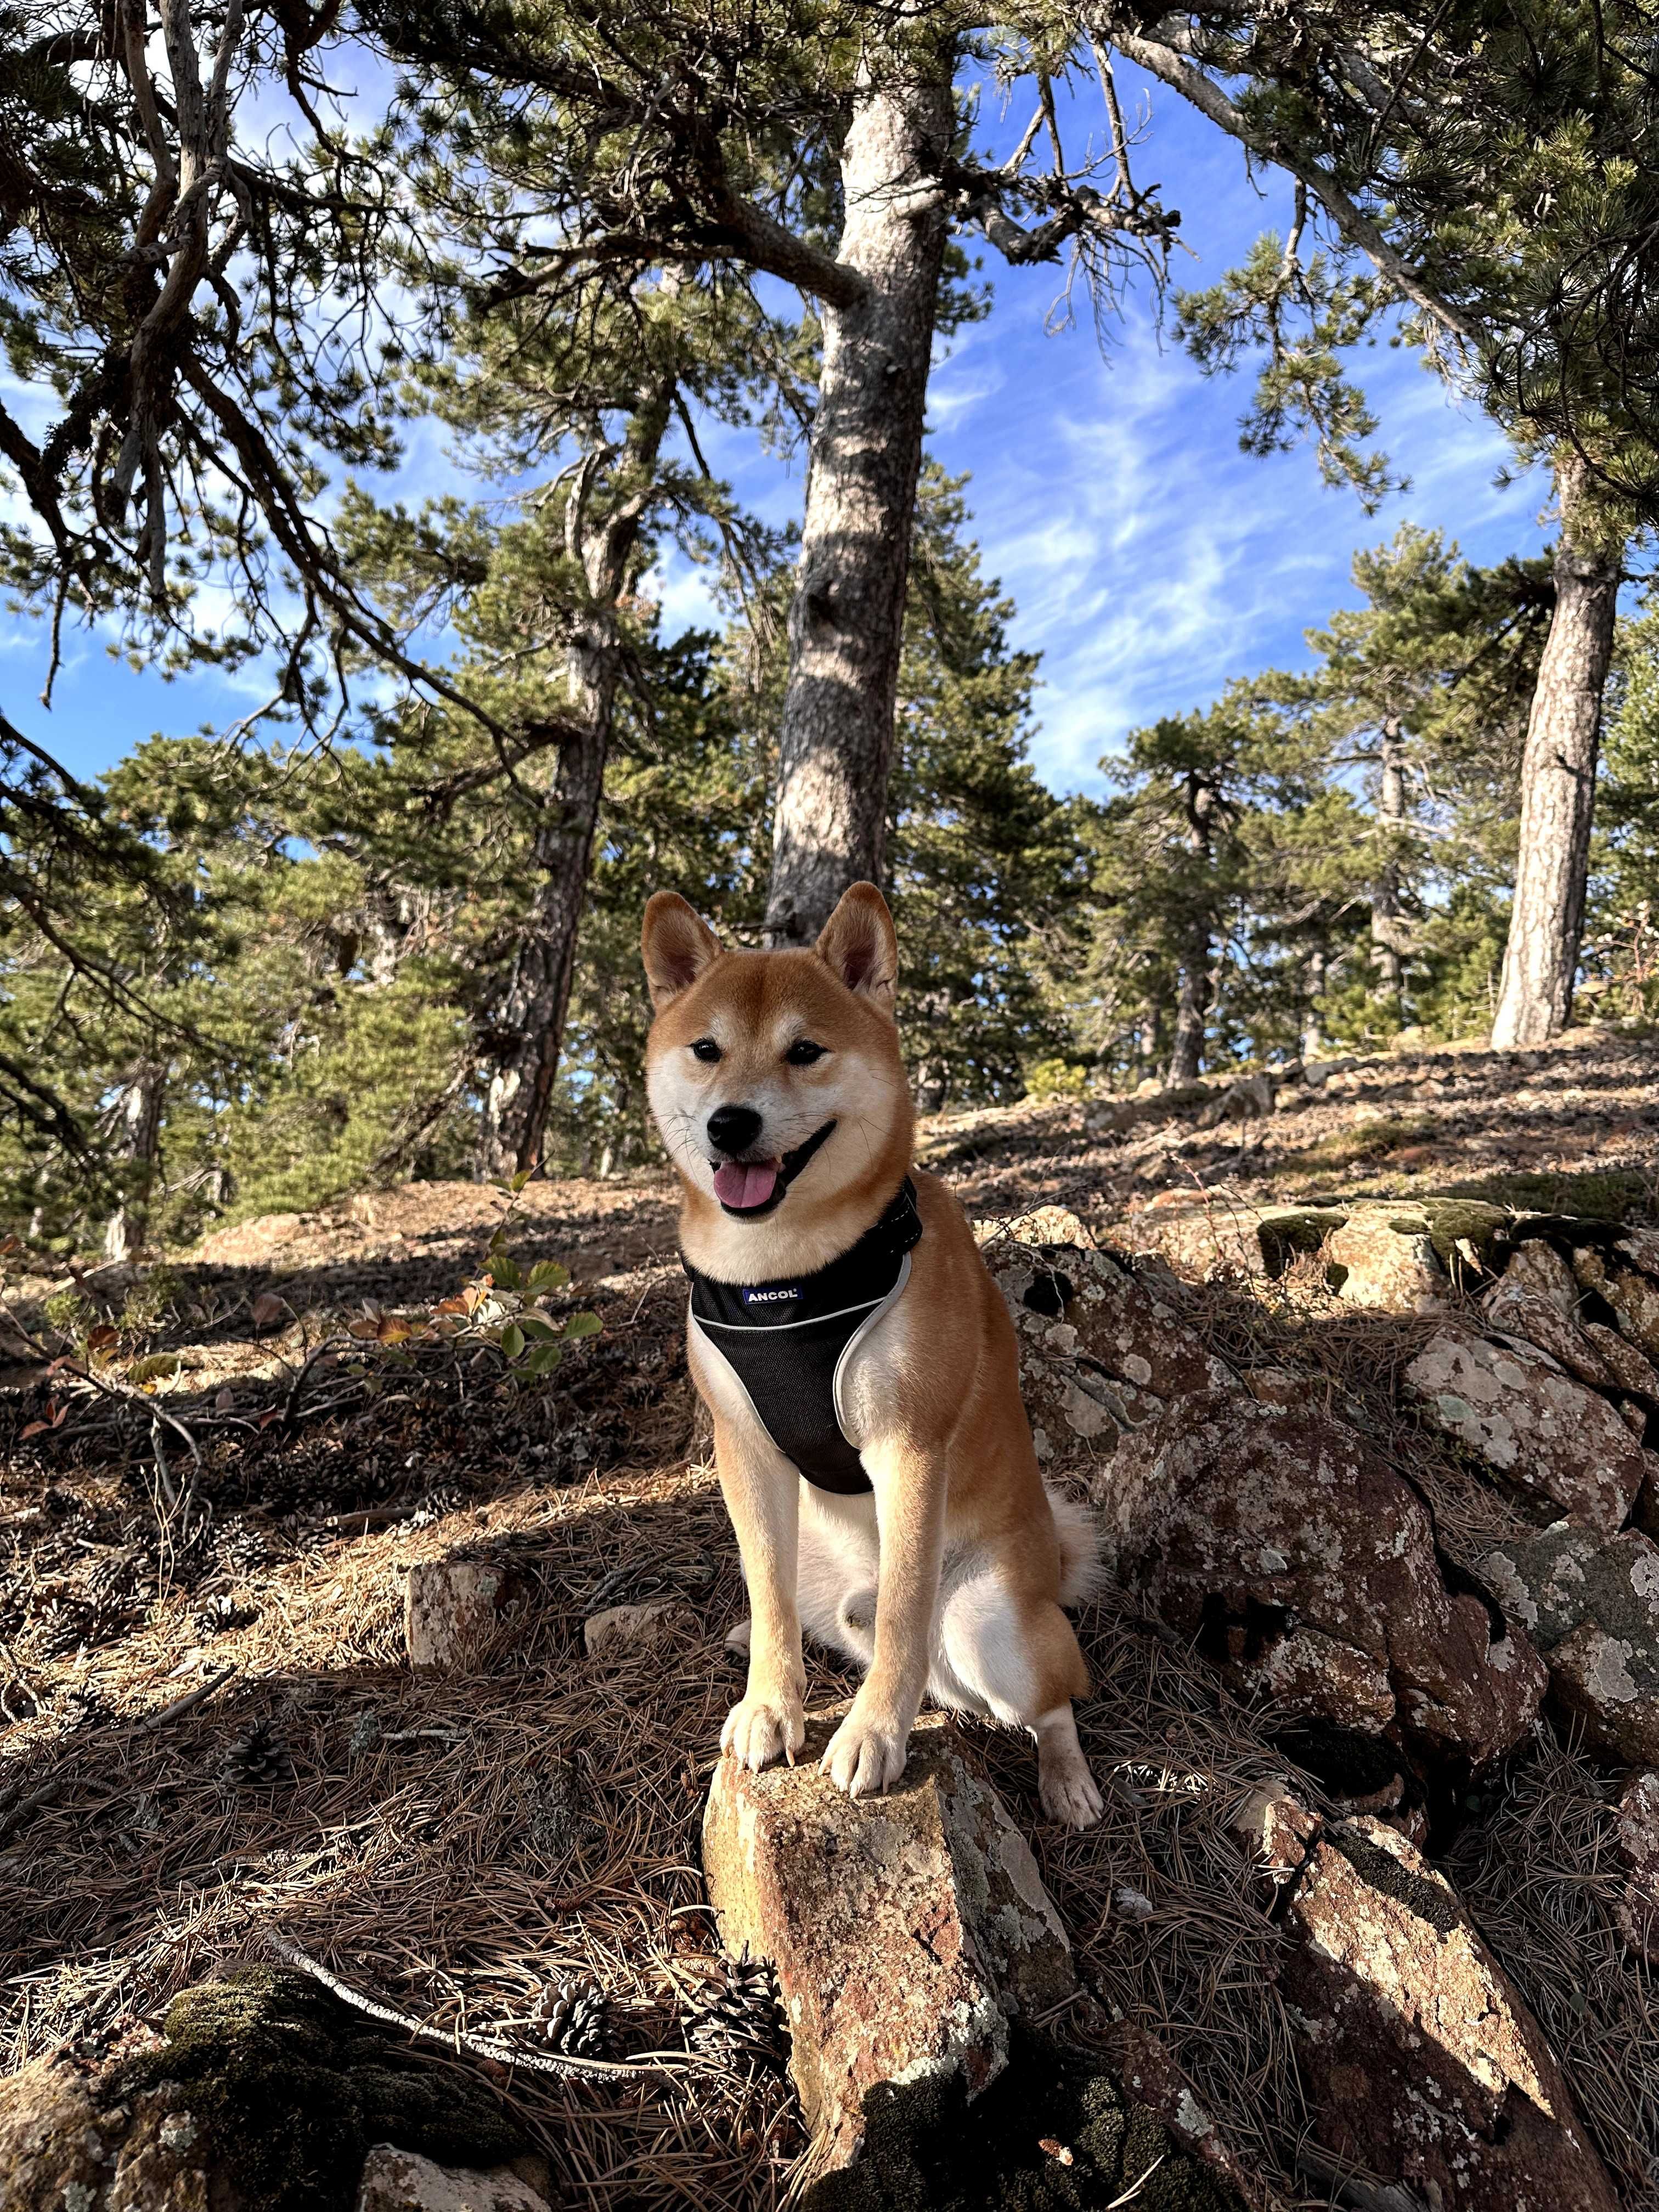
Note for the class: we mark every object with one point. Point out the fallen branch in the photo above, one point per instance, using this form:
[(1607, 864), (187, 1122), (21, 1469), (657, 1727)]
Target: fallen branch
[(649, 2064), (191, 1700)]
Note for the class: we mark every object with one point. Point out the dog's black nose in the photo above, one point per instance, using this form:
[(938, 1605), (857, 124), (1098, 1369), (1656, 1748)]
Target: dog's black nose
[(733, 1128)]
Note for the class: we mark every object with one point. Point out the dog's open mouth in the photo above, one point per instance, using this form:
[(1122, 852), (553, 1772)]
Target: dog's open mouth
[(750, 1188)]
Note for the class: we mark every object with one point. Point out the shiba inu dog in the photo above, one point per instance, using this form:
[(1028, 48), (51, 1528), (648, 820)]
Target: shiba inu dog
[(859, 1362)]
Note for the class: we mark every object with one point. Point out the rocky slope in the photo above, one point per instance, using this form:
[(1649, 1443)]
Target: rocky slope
[(334, 1636)]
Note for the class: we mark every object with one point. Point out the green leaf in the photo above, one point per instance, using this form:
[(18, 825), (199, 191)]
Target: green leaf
[(547, 1275), (513, 1340), (159, 1365), (537, 1326), (522, 1178), (544, 1359), (508, 1273), (583, 1324)]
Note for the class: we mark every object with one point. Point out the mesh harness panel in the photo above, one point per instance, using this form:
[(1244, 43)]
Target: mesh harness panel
[(786, 1342)]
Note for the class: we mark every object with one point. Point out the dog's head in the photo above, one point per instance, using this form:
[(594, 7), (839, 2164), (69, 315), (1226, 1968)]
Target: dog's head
[(776, 1081)]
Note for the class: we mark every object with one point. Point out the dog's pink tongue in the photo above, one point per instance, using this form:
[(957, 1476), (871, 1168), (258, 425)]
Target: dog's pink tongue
[(745, 1183)]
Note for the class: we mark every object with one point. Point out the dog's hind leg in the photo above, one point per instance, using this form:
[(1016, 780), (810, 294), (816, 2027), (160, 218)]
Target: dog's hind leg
[(1017, 1659)]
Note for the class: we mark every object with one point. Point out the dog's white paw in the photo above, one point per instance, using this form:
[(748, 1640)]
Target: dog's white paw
[(764, 1727), (867, 1754), (1068, 1790)]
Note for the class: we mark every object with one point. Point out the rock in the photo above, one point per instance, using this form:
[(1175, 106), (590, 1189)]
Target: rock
[(248, 1242), (1514, 1311), (1044, 1225), (453, 1608), (1591, 1606), (1420, 2064), (1388, 1262), (1636, 1840), (1103, 1344), (263, 2089), (1306, 1567), (907, 1931), (402, 2181), (1543, 1431), (1629, 1369), (1216, 1239), (1633, 1296), (1537, 1266), (625, 1628)]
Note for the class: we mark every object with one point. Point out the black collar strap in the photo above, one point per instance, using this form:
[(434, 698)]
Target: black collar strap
[(788, 1340)]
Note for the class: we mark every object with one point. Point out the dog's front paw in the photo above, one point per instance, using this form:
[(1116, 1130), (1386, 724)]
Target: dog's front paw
[(866, 1754), (764, 1727)]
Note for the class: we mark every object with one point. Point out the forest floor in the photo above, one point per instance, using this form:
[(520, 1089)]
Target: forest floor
[(226, 1477)]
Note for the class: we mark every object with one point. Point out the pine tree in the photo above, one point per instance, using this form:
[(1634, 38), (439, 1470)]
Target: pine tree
[(1494, 183)]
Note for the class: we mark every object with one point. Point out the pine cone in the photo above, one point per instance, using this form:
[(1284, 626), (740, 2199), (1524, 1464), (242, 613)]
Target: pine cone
[(221, 1613), (239, 1547), (258, 1759), (741, 2022), (575, 2019)]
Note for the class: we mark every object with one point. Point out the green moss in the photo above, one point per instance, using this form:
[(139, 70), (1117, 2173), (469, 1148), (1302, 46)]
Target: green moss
[(292, 2088), (1366, 1140), (927, 2149), (1282, 1235), (1594, 1193)]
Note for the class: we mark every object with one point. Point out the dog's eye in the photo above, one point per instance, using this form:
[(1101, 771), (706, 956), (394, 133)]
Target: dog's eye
[(804, 1052), (705, 1048)]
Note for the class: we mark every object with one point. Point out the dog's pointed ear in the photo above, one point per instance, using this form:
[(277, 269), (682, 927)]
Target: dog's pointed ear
[(859, 943), (675, 945)]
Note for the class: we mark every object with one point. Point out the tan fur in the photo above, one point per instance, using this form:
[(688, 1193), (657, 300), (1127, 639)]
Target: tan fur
[(969, 1566)]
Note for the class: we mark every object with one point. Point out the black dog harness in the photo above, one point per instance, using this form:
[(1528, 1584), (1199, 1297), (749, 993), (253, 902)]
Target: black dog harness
[(788, 1342)]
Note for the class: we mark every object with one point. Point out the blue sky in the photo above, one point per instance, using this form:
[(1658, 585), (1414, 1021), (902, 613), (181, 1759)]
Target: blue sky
[(1148, 558)]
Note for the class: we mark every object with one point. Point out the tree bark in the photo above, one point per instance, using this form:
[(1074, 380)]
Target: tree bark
[(1388, 929), (846, 618), (1558, 776), (138, 1113), (1191, 1010), (1200, 800), (1312, 1037), (528, 1027)]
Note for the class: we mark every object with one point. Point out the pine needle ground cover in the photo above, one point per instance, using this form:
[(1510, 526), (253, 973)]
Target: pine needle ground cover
[(511, 1855)]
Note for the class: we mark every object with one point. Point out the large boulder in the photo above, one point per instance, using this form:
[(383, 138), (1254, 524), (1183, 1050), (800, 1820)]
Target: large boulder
[(1421, 2065), (1385, 1259), (1102, 1343), (1591, 1605), (907, 1931), (1307, 1567), (1546, 1434), (1213, 1237)]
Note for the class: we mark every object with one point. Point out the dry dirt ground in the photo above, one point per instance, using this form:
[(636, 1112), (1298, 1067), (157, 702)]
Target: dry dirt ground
[(236, 1482)]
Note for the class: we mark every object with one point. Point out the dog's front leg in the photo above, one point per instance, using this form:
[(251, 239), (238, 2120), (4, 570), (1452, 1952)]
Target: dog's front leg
[(762, 1496), (866, 1752)]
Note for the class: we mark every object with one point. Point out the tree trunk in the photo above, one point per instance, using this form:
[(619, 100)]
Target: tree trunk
[(529, 1024), (1192, 1009), (846, 621), (138, 1113), (1200, 800), (1313, 1040), (1387, 928), (1558, 776)]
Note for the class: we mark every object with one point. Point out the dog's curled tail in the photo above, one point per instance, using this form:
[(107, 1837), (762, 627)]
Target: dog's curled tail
[(1081, 1573)]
